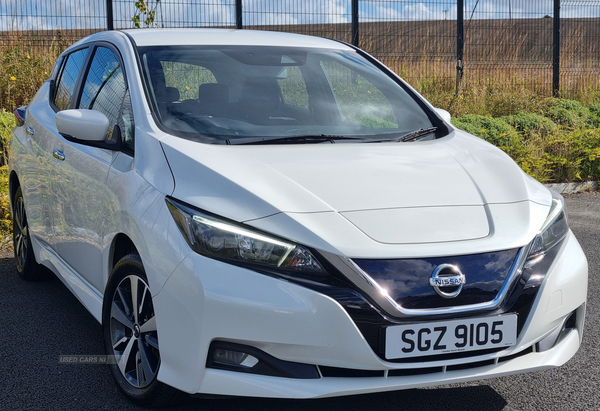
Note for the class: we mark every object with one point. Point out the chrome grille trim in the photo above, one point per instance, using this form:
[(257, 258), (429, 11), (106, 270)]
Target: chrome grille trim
[(512, 277)]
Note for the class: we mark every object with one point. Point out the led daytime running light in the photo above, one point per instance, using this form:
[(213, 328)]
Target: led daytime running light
[(216, 238), (553, 231), (245, 233)]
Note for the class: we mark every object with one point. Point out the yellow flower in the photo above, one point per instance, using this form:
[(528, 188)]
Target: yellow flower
[(187, 87), (13, 78)]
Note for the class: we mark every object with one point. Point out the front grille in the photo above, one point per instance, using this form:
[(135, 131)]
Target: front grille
[(445, 357), (348, 372), (414, 371), (407, 280), (354, 373)]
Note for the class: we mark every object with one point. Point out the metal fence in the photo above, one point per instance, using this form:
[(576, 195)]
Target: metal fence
[(546, 45)]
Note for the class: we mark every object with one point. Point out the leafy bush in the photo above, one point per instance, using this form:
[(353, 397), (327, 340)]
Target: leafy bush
[(494, 130), (7, 122), (563, 147), (5, 218), (569, 113), (574, 156), (594, 110), (531, 123)]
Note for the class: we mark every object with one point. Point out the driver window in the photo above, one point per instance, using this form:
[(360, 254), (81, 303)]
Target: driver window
[(105, 90)]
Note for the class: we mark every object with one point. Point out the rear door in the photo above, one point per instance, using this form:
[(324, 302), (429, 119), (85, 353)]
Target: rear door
[(38, 165)]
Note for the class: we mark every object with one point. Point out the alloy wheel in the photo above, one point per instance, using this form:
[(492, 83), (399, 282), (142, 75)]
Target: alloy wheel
[(134, 338), (20, 234)]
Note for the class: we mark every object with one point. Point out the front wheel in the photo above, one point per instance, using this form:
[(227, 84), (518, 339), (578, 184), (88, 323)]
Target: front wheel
[(131, 336)]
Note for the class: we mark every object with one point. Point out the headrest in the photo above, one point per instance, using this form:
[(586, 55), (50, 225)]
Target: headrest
[(214, 93)]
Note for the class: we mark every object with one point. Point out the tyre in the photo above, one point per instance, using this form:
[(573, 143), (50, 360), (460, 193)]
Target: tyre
[(131, 336), (27, 266)]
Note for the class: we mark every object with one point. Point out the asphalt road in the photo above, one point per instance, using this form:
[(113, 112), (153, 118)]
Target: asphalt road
[(40, 321)]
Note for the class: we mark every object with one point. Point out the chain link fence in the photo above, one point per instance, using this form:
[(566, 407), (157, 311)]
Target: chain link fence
[(441, 44)]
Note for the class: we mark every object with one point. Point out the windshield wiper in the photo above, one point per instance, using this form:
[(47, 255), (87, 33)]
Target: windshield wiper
[(415, 135), (412, 136), (310, 139)]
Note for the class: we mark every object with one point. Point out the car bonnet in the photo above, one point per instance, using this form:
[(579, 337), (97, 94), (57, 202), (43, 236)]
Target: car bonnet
[(395, 193)]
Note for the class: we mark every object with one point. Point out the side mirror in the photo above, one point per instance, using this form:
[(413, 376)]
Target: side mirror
[(443, 114), (83, 125)]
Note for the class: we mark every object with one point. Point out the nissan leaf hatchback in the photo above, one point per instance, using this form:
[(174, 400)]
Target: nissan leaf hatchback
[(276, 215)]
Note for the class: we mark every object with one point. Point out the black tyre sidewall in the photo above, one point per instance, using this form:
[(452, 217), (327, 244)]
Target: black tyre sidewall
[(128, 265), (30, 270)]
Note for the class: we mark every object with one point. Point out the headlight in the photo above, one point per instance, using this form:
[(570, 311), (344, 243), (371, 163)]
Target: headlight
[(553, 230), (223, 240)]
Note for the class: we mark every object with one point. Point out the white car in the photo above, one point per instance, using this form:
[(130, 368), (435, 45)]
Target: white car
[(275, 215)]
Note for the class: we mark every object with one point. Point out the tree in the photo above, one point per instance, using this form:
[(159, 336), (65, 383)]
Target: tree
[(145, 13)]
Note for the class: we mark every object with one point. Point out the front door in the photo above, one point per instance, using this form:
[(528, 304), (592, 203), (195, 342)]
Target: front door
[(80, 193)]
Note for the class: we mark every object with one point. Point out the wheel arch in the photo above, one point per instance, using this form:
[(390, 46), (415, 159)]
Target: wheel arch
[(13, 185), (121, 246)]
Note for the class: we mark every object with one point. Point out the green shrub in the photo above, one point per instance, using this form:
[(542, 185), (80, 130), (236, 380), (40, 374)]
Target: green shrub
[(544, 150), (530, 123), (494, 130), (569, 113), (7, 122), (574, 156), (594, 110), (5, 218)]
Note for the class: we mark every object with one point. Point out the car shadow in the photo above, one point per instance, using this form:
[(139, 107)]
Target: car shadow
[(475, 398)]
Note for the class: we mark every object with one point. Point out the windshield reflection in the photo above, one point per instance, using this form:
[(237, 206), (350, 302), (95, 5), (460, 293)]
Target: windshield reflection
[(229, 93)]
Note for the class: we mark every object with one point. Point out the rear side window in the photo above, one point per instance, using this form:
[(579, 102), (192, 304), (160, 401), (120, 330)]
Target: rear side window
[(68, 79), (56, 68), (186, 78), (293, 87)]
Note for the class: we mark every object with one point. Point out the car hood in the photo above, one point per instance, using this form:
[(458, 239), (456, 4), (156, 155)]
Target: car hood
[(394, 193)]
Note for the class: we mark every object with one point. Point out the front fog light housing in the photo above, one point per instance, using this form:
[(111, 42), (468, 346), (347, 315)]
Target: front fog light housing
[(554, 229), (234, 358), (220, 239)]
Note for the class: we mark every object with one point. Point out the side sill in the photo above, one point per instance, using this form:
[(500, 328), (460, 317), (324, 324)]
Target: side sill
[(84, 291)]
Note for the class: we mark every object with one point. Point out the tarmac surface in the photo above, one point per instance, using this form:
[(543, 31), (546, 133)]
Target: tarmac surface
[(39, 321)]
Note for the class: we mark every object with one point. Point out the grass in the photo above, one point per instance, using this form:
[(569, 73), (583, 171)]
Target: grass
[(22, 71)]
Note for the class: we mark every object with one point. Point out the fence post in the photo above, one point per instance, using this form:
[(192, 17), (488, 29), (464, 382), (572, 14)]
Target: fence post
[(355, 23), (460, 42), (238, 14), (109, 15), (556, 50)]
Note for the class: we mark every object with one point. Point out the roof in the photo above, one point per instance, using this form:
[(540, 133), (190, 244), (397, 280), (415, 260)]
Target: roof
[(196, 36)]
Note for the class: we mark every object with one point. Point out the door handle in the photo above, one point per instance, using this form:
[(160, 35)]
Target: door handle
[(29, 130), (58, 154)]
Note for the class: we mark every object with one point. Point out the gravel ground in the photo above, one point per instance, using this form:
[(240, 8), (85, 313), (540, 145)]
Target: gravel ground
[(40, 321)]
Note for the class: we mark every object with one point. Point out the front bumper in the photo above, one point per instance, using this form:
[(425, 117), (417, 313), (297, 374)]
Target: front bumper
[(206, 300)]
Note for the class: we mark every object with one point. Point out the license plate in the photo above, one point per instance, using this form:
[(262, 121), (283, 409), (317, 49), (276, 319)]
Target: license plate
[(444, 337)]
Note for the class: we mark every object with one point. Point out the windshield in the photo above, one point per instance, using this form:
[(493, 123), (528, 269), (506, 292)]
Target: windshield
[(244, 95)]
